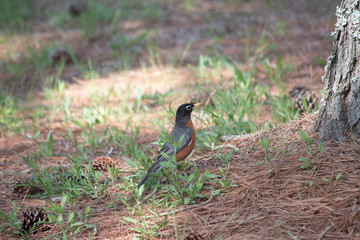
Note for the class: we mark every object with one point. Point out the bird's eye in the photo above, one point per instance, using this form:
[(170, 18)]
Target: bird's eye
[(188, 107)]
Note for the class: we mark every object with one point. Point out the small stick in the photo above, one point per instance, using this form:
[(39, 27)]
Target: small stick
[(182, 209), (293, 236), (324, 232), (109, 152)]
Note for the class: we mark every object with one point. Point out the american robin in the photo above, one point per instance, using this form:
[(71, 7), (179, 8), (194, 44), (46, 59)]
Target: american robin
[(183, 128)]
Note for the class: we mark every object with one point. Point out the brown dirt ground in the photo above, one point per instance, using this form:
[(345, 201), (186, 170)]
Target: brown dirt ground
[(261, 206)]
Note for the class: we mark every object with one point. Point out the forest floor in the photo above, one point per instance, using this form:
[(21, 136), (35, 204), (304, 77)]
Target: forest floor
[(106, 83)]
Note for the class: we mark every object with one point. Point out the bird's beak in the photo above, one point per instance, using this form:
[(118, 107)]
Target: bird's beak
[(196, 105)]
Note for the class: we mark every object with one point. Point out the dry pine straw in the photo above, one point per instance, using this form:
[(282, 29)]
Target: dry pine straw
[(279, 206), (274, 206), (263, 205)]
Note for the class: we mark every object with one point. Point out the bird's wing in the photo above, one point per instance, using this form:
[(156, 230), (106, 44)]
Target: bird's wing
[(168, 149), (178, 133)]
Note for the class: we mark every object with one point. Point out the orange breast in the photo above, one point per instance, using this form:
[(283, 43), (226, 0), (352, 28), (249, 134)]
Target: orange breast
[(187, 149)]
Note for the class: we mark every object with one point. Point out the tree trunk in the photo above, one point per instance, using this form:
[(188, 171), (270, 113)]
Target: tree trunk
[(339, 108)]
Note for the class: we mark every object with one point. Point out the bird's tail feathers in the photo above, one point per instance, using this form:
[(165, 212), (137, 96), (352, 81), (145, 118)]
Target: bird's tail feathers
[(148, 174), (145, 179)]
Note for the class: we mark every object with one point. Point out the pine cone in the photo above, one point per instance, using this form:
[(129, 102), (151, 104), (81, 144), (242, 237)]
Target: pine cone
[(101, 163), (194, 236), (59, 178), (31, 216), (300, 92), (57, 174), (76, 178), (21, 187), (75, 9), (57, 55)]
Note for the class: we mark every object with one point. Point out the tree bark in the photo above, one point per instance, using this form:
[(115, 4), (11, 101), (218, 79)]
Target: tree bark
[(339, 108)]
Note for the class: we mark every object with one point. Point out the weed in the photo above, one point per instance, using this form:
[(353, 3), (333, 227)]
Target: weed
[(308, 185), (235, 103), (69, 222), (281, 28), (309, 142), (338, 176), (14, 13), (208, 138), (157, 98), (128, 48), (268, 158), (49, 145), (332, 184), (90, 72), (179, 63), (76, 181), (114, 173), (285, 150), (225, 159), (320, 61), (232, 112), (281, 105), (34, 59), (10, 220), (154, 55), (223, 180), (95, 115), (149, 11), (125, 140), (37, 59), (9, 111), (93, 20), (145, 230), (184, 188), (207, 67), (189, 5), (309, 163)]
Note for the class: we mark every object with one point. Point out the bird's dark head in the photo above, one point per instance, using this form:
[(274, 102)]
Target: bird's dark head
[(183, 113)]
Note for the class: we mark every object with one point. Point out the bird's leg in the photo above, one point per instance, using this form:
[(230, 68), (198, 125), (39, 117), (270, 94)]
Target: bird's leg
[(164, 181)]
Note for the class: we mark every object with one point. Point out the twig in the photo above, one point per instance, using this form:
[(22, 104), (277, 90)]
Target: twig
[(293, 236), (212, 147), (324, 232), (153, 192), (18, 133), (227, 222), (198, 216), (231, 137), (205, 156), (209, 99), (7, 195), (109, 152), (181, 209), (224, 146)]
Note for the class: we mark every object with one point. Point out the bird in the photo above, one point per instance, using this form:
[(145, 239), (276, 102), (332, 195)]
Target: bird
[(184, 129)]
